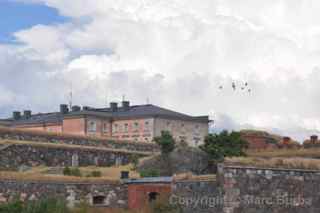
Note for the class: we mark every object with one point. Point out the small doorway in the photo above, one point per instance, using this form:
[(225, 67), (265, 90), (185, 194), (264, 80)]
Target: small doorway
[(153, 196)]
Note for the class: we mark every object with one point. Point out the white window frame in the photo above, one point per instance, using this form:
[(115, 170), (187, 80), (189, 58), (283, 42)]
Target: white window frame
[(105, 127), (92, 126)]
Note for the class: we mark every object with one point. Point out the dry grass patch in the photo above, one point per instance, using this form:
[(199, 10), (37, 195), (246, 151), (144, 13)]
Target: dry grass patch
[(111, 174), (283, 163), (288, 153)]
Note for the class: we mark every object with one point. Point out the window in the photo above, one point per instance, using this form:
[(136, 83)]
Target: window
[(115, 128), (126, 127), (136, 126), (197, 129), (105, 127), (146, 126), (92, 126)]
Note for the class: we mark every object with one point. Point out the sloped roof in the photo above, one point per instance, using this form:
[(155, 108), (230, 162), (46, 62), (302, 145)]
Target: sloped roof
[(136, 111)]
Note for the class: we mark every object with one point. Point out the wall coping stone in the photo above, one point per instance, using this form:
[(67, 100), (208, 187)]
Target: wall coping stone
[(269, 168)]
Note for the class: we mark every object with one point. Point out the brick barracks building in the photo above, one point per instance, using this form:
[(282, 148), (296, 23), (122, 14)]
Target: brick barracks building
[(134, 123)]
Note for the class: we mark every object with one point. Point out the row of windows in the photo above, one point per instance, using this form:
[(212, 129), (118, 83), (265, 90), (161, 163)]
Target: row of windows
[(135, 127), (125, 127), (92, 127)]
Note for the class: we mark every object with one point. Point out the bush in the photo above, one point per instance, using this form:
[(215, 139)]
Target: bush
[(224, 144), (67, 171), (72, 172), (166, 142), (150, 173), (96, 174), (48, 205)]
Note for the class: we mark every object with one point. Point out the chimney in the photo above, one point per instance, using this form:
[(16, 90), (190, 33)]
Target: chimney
[(125, 105), (114, 106), (286, 140), (27, 114), (85, 108), (314, 139), (64, 108), (76, 108), (16, 115)]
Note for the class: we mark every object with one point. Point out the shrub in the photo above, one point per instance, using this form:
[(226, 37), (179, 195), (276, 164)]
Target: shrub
[(72, 172), (224, 144), (96, 174), (166, 142), (150, 173), (67, 171), (48, 205)]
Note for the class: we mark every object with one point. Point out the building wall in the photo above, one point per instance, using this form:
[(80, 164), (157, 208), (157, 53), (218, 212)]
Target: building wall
[(44, 137), (74, 126), (188, 131), (98, 127), (138, 194), (134, 129)]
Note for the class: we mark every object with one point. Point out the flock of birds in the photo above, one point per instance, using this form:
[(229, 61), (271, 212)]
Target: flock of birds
[(244, 87)]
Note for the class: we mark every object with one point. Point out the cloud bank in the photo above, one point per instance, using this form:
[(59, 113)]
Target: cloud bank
[(176, 53)]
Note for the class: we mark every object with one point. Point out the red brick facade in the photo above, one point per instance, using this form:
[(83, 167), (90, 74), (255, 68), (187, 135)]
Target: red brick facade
[(139, 194)]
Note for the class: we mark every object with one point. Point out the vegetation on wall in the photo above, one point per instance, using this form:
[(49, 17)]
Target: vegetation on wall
[(225, 144), (166, 142)]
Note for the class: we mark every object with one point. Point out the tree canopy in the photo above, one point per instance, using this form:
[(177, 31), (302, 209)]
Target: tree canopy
[(166, 142), (224, 144)]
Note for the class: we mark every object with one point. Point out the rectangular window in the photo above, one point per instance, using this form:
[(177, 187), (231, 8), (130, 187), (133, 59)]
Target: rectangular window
[(105, 127), (136, 126), (115, 128), (92, 127), (146, 126), (126, 127)]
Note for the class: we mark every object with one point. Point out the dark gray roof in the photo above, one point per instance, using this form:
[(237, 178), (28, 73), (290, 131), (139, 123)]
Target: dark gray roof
[(136, 111), (147, 110), (41, 118)]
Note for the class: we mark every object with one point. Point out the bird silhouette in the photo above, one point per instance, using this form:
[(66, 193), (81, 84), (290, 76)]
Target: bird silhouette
[(233, 86)]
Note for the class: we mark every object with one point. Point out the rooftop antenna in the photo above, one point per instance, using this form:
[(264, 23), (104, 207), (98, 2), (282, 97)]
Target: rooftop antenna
[(70, 96), (123, 97)]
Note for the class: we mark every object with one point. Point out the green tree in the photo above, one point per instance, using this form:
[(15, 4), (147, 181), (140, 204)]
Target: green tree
[(166, 142), (224, 144)]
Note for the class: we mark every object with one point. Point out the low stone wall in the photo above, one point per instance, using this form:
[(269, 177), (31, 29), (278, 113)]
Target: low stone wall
[(38, 136), (13, 156), (263, 190), (110, 194)]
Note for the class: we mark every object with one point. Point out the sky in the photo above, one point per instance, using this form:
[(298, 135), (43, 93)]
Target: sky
[(173, 53)]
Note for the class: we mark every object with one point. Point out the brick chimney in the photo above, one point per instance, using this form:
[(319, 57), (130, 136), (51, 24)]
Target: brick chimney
[(27, 114), (16, 115), (314, 139), (125, 105), (114, 106)]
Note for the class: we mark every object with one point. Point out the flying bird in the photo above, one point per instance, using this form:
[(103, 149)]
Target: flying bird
[(233, 86)]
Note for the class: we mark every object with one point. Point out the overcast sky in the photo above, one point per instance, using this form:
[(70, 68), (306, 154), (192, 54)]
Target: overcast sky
[(176, 53)]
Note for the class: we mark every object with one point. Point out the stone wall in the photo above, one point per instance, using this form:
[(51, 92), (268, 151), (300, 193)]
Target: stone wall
[(37, 136), (261, 190), (13, 156), (113, 195), (197, 196)]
